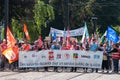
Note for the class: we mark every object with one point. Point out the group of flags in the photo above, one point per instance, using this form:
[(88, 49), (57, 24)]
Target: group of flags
[(110, 34), (10, 52), (65, 38), (12, 55)]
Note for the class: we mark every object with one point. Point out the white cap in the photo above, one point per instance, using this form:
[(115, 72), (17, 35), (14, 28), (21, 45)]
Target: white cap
[(21, 42), (36, 41)]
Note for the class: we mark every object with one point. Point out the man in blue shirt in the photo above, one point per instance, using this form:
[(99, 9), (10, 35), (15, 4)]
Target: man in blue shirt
[(94, 47), (55, 46)]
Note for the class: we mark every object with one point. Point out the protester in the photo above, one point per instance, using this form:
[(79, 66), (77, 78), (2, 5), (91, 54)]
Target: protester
[(55, 46), (115, 57), (64, 47), (105, 59), (109, 47), (86, 49), (3, 45), (45, 46), (4, 60), (1, 59), (94, 47), (26, 46), (35, 46), (74, 46), (14, 65), (81, 47)]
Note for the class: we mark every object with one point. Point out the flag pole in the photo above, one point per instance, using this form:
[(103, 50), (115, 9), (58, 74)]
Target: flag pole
[(6, 16), (67, 13), (93, 21)]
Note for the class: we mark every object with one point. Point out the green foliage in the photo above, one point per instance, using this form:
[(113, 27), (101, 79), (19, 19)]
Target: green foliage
[(79, 11), (42, 13), (2, 33), (107, 13), (17, 29), (117, 29)]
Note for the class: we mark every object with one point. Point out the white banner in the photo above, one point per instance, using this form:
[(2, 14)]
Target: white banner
[(61, 33), (65, 58)]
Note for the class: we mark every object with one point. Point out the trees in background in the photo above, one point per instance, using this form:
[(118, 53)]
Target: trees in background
[(43, 13), (40, 15)]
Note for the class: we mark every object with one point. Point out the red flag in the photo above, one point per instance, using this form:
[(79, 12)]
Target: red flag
[(68, 39), (26, 32), (9, 53), (10, 39)]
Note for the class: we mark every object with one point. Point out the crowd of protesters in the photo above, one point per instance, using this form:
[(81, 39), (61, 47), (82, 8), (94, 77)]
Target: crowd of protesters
[(111, 53)]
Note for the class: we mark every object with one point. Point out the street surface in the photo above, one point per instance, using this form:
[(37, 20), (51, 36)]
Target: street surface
[(34, 75)]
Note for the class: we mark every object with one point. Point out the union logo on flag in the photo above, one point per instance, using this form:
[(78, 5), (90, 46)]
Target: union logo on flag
[(10, 55)]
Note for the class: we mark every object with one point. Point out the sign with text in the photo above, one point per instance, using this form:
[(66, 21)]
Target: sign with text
[(62, 58), (62, 33)]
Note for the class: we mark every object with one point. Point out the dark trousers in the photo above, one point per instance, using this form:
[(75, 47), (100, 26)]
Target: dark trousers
[(14, 65), (3, 62), (73, 69), (105, 65), (109, 63), (95, 69), (115, 65), (55, 69), (46, 68)]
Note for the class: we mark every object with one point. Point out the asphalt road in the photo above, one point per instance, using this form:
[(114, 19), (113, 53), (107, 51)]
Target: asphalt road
[(32, 75)]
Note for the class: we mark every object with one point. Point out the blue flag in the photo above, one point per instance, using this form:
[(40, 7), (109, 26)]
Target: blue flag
[(112, 35)]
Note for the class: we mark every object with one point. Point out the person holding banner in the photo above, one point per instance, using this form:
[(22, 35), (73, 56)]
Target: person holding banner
[(14, 65), (86, 49), (36, 47), (74, 46), (81, 47), (55, 46), (45, 46), (94, 47), (26, 46), (64, 47)]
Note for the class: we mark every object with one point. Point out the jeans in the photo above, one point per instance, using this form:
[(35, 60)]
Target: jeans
[(115, 65)]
